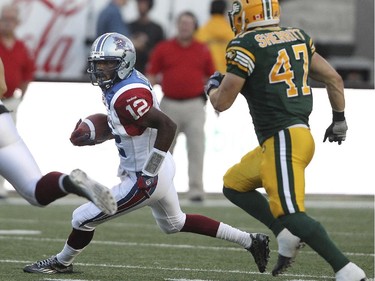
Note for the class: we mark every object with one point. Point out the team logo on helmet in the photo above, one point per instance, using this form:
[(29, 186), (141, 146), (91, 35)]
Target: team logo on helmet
[(120, 43), (236, 7)]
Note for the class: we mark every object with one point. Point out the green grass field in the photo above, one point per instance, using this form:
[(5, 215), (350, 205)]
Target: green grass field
[(133, 248)]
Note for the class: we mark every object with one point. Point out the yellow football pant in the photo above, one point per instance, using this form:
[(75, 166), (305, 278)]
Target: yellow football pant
[(278, 166)]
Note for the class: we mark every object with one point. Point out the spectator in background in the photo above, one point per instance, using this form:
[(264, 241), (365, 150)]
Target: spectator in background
[(19, 65), (110, 19), (216, 33), (181, 65), (145, 34), (17, 59)]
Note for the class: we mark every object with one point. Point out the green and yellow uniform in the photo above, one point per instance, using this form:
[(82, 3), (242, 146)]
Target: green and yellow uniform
[(275, 63)]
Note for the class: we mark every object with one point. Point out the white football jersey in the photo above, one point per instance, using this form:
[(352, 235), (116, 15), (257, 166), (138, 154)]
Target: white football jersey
[(126, 102)]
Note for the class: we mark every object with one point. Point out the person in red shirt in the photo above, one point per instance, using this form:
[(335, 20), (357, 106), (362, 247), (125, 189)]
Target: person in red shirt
[(17, 59), (181, 66), (18, 62)]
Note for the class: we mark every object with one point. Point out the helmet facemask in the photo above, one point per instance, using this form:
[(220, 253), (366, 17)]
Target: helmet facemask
[(103, 76), (234, 20)]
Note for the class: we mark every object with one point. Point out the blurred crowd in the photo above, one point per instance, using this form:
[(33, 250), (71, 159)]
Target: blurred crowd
[(143, 22)]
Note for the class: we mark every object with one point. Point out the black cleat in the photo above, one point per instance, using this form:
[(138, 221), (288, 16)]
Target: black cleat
[(48, 266), (260, 250), (283, 263)]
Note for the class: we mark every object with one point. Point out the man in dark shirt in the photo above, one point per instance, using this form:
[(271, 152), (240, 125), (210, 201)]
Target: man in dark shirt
[(145, 33)]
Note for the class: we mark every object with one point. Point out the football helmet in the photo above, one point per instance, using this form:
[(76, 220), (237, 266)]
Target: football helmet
[(115, 48), (248, 14)]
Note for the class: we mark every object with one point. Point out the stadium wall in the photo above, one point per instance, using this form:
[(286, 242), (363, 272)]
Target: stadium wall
[(50, 111)]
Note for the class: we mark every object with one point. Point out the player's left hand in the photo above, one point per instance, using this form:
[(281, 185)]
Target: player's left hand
[(145, 183), (336, 132), (213, 82)]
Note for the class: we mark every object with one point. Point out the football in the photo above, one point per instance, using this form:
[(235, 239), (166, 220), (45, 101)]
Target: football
[(90, 133)]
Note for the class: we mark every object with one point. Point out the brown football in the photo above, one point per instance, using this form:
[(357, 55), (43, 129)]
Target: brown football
[(82, 132), (102, 130)]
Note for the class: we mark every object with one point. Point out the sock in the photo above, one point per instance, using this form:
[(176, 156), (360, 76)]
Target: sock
[(256, 205), (48, 188), (76, 243), (79, 239), (287, 243), (200, 225), (313, 233), (235, 235), (67, 255)]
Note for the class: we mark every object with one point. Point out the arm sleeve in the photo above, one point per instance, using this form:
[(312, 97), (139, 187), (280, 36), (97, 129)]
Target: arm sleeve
[(131, 106)]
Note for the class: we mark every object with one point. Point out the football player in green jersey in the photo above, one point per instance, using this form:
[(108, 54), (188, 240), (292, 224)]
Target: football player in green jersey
[(270, 66)]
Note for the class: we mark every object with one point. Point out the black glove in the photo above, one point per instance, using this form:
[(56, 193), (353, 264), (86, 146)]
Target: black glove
[(213, 82), (145, 183), (336, 132)]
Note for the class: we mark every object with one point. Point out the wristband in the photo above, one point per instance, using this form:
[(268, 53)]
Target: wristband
[(338, 116), (153, 163), (91, 127)]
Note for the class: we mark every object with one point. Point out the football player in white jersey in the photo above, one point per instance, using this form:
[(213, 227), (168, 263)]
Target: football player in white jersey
[(18, 167), (143, 135)]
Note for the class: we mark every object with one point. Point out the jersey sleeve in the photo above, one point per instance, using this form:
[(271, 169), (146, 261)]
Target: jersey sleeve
[(309, 42), (131, 106), (240, 60)]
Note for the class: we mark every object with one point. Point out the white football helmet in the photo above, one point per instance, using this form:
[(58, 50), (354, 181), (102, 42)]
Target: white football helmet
[(111, 47)]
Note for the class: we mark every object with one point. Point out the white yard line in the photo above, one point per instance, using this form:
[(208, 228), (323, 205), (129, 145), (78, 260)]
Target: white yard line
[(179, 279), (179, 270), (19, 232), (54, 279), (156, 245)]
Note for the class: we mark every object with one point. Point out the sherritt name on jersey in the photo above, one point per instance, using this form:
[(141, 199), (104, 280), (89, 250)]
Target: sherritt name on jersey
[(277, 37)]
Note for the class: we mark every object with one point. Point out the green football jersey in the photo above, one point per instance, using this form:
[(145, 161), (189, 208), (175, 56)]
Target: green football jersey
[(275, 62)]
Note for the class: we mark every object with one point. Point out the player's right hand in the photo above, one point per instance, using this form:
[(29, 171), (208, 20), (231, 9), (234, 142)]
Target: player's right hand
[(145, 183), (81, 135), (336, 132)]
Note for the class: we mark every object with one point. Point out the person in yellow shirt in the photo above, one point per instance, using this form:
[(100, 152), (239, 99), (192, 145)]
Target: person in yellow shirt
[(216, 33)]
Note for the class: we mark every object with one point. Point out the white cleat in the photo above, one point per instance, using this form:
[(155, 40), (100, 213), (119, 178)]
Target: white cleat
[(350, 272), (95, 192)]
